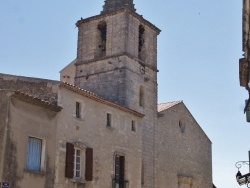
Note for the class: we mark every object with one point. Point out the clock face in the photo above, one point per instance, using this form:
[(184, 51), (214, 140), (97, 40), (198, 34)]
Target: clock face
[(142, 69)]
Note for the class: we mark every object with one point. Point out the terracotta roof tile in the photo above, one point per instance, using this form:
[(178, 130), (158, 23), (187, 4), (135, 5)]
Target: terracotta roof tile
[(95, 97), (36, 101), (167, 105)]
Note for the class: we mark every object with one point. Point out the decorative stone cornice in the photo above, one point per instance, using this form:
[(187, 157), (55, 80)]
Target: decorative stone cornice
[(102, 16), (154, 68)]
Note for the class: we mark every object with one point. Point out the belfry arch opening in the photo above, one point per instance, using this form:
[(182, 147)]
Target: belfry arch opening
[(101, 39), (141, 40)]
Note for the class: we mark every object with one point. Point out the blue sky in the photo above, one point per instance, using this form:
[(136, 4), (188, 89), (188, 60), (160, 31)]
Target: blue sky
[(198, 52)]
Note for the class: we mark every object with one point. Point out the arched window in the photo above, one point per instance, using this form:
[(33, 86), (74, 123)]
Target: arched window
[(141, 42), (141, 96), (101, 40)]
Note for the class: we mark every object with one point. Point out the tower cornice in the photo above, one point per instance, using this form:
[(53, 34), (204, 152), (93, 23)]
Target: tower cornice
[(153, 68), (97, 17)]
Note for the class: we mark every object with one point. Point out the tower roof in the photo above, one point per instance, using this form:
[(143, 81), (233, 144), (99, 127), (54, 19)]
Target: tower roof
[(113, 5)]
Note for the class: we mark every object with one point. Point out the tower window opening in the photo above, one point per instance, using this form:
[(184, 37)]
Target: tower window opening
[(141, 96), (102, 37), (108, 120), (141, 41)]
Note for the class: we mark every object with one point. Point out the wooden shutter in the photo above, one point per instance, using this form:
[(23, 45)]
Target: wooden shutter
[(69, 166), (89, 164), (122, 171), (122, 167)]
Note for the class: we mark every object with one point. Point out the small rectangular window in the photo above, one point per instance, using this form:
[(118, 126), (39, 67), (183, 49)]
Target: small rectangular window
[(133, 127), (34, 154), (78, 109), (108, 120)]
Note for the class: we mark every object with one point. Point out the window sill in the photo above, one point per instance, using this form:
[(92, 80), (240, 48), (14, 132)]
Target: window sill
[(78, 180), (35, 172), (78, 118), (110, 128)]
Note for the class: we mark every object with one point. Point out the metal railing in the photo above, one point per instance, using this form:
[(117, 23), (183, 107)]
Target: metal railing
[(119, 183)]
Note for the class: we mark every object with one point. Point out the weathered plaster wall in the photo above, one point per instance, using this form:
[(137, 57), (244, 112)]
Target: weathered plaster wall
[(29, 120), (91, 130), (183, 152)]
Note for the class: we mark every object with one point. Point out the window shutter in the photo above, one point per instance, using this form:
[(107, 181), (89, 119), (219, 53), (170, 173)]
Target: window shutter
[(122, 167), (69, 166), (89, 164)]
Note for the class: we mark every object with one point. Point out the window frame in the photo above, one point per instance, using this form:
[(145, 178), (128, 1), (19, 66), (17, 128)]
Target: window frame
[(86, 162), (133, 125), (119, 171), (79, 163), (42, 166), (109, 120), (78, 110)]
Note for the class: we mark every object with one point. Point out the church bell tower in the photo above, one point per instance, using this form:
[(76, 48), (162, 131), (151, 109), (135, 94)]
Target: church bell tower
[(117, 55), (117, 60)]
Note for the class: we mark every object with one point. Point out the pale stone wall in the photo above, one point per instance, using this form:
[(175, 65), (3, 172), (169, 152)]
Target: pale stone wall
[(183, 154), (91, 131), (88, 35), (26, 120), (67, 74)]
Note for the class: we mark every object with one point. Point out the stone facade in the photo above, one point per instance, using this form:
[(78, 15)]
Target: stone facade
[(183, 150), (101, 124), (123, 70), (91, 130), (67, 74), (22, 117)]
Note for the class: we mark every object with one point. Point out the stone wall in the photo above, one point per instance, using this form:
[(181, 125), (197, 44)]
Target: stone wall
[(91, 131), (67, 74), (121, 72), (41, 88), (183, 151)]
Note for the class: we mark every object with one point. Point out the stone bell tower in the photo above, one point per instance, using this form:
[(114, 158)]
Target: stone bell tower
[(117, 59)]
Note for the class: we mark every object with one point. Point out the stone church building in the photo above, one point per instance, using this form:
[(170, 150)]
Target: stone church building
[(100, 126)]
